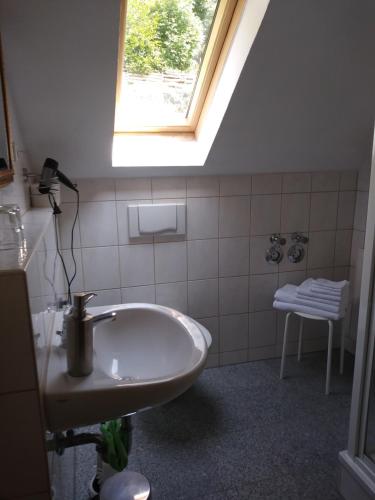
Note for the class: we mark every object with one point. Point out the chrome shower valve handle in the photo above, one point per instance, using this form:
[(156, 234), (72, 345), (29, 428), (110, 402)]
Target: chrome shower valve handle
[(278, 239), (299, 238), (274, 254), (296, 253)]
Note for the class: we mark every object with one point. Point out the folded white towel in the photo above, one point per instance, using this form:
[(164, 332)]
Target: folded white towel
[(313, 289), (288, 294), (328, 291), (287, 306), (337, 285), (319, 297)]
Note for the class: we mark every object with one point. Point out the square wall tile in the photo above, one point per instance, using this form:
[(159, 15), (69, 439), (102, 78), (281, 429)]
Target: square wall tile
[(101, 268), (137, 265), (202, 186), (343, 247), (291, 278), (145, 293), (265, 214), (348, 181), (341, 273), (233, 256), (203, 259), (266, 183), (212, 325), (262, 329), (172, 295), (203, 298), (262, 291), (123, 223), (169, 187), (321, 249), (106, 297), (202, 218), (258, 263), (325, 181), (235, 185), (345, 213), (360, 216), (296, 183), (233, 357), (234, 219), (170, 262), (97, 189), (323, 211), (98, 224), (326, 273), (234, 295), (295, 209), (65, 223), (133, 189), (234, 332)]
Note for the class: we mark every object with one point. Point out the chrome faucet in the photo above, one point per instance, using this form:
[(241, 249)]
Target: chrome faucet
[(79, 333)]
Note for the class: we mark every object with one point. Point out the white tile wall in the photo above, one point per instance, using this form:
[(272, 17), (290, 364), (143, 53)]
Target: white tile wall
[(144, 293), (296, 183), (200, 187), (234, 295), (323, 211), (101, 267), (137, 265), (265, 214), (233, 256), (98, 224), (295, 209), (173, 295), (202, 216), (170, 262), (234, 217), (203, 259), (217, 273)]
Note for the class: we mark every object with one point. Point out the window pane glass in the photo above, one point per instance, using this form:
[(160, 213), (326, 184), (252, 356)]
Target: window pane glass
[(165, 42)]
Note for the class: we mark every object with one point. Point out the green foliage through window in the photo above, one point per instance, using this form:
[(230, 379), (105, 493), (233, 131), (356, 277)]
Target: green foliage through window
[(166, 34)]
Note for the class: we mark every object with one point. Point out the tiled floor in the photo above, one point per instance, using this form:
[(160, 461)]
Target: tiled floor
[(240, 433)]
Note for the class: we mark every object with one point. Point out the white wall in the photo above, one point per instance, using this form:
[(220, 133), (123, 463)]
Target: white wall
[(217, 273), (305, 100)]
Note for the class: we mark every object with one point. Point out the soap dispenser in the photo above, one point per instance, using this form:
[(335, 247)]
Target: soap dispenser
[(79, 336)]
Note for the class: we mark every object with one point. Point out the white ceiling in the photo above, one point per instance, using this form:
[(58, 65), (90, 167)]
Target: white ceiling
[(305, 99)]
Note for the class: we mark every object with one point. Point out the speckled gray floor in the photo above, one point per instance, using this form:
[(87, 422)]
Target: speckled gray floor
[(240, 433)]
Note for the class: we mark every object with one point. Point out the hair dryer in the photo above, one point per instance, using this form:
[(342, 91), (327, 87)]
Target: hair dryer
[(49, 173)]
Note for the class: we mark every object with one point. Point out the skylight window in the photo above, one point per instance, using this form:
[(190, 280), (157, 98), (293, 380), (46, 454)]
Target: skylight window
[(169, 50)]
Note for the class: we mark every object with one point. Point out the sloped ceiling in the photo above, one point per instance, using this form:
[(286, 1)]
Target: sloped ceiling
[(305, 99)]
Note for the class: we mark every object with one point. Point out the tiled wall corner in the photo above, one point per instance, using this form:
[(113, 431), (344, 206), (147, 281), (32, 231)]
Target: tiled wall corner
[(217, 273)]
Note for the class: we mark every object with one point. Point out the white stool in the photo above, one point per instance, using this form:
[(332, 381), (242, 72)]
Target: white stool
[(330, 342)]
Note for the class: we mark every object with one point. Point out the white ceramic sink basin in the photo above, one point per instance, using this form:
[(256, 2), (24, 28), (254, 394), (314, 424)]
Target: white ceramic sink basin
[(149, 355)]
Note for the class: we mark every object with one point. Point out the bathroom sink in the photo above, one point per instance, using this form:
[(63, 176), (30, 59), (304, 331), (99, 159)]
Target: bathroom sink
[(149, 355)]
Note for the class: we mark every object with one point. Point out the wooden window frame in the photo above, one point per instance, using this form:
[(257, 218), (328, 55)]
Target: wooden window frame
[(223, 29)]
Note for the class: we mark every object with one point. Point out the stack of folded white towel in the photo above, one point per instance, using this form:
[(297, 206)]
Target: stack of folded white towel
[(318, 297)]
